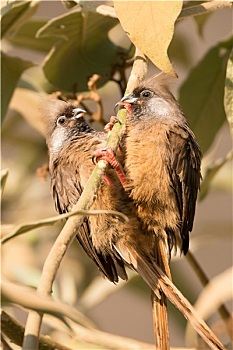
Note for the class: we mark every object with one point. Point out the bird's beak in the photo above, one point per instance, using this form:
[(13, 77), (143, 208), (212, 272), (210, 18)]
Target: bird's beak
[(126, 101), (78, 113)]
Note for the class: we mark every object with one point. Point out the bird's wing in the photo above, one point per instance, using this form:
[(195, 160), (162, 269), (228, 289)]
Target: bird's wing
[(184, 169), (66, 190)]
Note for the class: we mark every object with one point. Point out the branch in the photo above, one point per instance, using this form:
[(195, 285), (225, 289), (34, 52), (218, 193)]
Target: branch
[(204, 8), (15, 330), (196, 10), (71, 227), (224, 313), (29, 226)]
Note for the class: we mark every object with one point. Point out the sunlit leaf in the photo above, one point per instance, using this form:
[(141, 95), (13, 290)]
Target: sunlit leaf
[(228, 95), (18, 14), (82, 49), (150, 26), (201, 95), (50, 221), (12, 68)]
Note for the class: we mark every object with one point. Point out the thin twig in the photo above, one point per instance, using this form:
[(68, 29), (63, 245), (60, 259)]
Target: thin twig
[(224, 313), (71, 227), (93, 95)]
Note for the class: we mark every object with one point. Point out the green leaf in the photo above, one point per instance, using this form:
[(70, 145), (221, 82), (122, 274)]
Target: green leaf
[(210, 173), (16, 16), (83, 48), (26, 37), (228, 94), (12, 68), (201, 95), (50, 221)]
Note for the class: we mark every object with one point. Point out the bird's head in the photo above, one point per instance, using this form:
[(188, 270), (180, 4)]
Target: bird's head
[(149, 99), (62, 123)]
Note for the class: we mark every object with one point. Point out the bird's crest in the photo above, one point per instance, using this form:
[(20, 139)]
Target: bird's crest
[(50, 108), (161, 81)]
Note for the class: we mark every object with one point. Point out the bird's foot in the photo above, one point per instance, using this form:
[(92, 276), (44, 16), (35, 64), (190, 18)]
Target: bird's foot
[(112, 121), (109, 156)]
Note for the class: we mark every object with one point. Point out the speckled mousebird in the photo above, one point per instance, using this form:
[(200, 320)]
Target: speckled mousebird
[(109, 242), (162, 161)]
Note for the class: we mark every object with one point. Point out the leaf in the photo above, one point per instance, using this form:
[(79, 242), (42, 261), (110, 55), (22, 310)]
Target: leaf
[(82, 49), (17, 15), (201, 95), (26, 36), (12, 68), (30, 299), (211, 171), (52, 220), (228, 93), (150, 26)]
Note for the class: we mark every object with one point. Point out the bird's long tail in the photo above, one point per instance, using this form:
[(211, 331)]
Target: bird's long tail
[(157, 280), (159, 304)]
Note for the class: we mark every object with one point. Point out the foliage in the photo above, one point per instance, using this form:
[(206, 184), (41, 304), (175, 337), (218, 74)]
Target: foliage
[(59, 54)]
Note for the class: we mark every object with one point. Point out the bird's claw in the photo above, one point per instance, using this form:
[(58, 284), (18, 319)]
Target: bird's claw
[(112, 121), (109, 156), (99, 154)]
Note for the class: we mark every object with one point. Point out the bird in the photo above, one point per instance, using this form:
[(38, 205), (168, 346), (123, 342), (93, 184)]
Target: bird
[(72, 143), (162, 161), (162, 164), (111, 243)]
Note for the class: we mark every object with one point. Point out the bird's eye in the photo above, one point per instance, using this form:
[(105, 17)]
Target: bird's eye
[(61, 120), (146, 94)]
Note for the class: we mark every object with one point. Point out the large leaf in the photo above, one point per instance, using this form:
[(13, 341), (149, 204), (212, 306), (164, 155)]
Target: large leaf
[(83, 48), (201, 95), (150, 26), (12, 68), (16, 16), (26, 36), (228, 95)]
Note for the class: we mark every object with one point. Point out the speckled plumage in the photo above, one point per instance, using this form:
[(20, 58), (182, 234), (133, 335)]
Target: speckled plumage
[(71, 147), (162, 161)]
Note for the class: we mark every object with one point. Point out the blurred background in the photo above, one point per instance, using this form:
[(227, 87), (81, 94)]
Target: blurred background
[(124, 309)]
